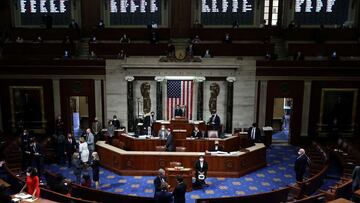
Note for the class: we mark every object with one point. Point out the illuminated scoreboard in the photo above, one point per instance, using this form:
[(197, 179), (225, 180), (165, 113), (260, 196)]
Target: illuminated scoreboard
[(315, 12), (134, 12), (32, 11), (225, 12)]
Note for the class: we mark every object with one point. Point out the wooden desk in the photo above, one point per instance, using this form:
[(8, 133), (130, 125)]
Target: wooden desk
[(4, 183), (180, 124), (340, 200), (357, 193), (132, 162), (186, 173), (39, 200), (232, 143)]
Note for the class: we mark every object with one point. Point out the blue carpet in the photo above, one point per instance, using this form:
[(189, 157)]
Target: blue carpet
[(279, 173), (281, 136)]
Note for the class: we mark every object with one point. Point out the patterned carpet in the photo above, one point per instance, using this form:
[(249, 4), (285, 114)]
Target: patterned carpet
[(278, 173)]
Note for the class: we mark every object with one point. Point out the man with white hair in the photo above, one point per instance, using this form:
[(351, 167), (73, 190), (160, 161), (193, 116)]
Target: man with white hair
[(302, 161), (160, 178)]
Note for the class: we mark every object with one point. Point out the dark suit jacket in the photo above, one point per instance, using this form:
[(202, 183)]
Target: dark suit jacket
[(199, 169), (170, 143), (196, 134), (179, 193), (300, 164), (116, 124), (146, 122), (257, 134), (157, 183), (220, 148), (70, 147), (37, 149), (178, 112), (163, 197), (214, 122)]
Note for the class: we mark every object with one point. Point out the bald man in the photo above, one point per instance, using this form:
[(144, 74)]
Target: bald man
[(302, 161)]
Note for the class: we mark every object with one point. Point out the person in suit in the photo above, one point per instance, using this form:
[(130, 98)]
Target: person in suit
[(96, 127), (301, 163), (110, 131), (170, 146), (95, 165), (59, 125), (254, 133), (163, 196), (36, 151), (201, 168), (116, 122), (214, 121), (70, 148), (196, 133), (227, 39), (217, 147), (178, 111), (76, 162), (149, 120), (90, 141), (25, 149), (160, 178), (180, 190), (162, 134)]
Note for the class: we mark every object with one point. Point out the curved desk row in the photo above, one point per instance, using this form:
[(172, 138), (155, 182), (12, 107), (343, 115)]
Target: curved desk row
[(235, 164)]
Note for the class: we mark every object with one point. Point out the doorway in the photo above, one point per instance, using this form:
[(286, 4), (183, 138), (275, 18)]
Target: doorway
[(79, 114), (281, 120)]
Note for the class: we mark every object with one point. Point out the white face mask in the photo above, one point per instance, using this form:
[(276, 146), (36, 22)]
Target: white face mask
[(27, 174), (201, 160), (299, 153)]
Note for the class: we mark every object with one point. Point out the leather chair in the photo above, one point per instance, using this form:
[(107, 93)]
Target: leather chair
[(160, 148), (181, 149)]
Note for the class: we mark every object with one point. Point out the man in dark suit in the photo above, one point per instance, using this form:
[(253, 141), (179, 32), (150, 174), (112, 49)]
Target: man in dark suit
[(254, 133), (163, 196), (116, 122), (25, 149), (201, 168), (214, 121), (160, 178), (180, 190), (178, 111), (217, 147), (70, 147), (37, 154), (170, 142), (196, 133), (149, 120), (302, 161)]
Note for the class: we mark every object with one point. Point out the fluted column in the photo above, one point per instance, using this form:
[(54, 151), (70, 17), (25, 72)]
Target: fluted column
[(229, 103), (130, 103), (159, 98), (200, 98)]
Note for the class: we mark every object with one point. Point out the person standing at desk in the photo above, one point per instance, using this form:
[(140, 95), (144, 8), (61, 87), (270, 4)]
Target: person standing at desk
[(214, 121), (178, 111), (180, 190), (162, 132), (201, 168), (196, 133), (32, 183), (254, 134), (170, 142)]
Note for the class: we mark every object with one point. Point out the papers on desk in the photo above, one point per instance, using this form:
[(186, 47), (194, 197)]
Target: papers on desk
[(219, 153), (23, 196), (144, 137), (267, 128), (163, 122)]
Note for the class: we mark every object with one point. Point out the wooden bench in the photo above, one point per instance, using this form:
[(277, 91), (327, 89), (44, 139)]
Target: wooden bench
[(341, 189)]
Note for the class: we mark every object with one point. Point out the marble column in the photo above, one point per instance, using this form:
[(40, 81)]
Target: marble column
[(306, 109), (200, 99), (130, 103), (159, 98), (229, 103)]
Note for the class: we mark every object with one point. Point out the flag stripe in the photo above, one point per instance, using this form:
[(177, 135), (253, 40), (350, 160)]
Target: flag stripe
[(179, 93)]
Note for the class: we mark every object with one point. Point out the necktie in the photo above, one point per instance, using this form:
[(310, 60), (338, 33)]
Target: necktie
[(253, 133)]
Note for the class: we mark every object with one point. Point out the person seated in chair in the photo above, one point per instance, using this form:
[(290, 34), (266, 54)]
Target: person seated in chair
[(196, 133), (217, 147), (162, 134), (178, 111), (201, 168)]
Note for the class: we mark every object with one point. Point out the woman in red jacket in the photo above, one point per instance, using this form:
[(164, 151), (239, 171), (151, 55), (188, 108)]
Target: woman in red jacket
[(32, 183)]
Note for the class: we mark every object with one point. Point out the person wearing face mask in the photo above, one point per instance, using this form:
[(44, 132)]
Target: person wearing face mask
[(36, 151), (217, 147), (162, 134), (196, 133), (70, 148), (116, 122), (201, 168), (25, 149), (170, 142), (32, 183), (76, 162), (301, 163)]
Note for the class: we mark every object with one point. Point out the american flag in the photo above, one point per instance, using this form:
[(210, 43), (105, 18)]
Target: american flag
[(179, 92)]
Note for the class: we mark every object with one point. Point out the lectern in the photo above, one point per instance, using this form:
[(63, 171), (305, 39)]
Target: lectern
[(186, 173)]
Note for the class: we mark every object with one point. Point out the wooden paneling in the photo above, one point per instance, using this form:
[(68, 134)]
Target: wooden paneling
[(90, 13), (180, 18), (288, 89)]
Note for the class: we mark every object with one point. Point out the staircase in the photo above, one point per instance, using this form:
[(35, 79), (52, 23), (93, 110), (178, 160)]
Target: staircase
[(83, 49)]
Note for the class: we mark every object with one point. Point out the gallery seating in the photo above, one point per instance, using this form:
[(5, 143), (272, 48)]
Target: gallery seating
[(342, 189), (131, 33), (234, 49), (324, 49), (108, 50), (51, 34)]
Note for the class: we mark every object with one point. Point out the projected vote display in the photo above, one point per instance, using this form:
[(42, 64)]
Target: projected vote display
[(314, 12), (225, 12), (134, 12), (32, 12)]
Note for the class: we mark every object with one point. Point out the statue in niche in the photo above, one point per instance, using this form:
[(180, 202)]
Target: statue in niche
[(145, 92), (214, 92)]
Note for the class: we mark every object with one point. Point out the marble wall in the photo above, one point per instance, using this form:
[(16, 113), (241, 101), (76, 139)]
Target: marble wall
[(242, 70)]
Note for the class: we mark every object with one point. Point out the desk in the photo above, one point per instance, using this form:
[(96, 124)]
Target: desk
[(340, 200), (133, 162), (39, 200), (232, 143), (186, 173), (357, 193), (179, 124)]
